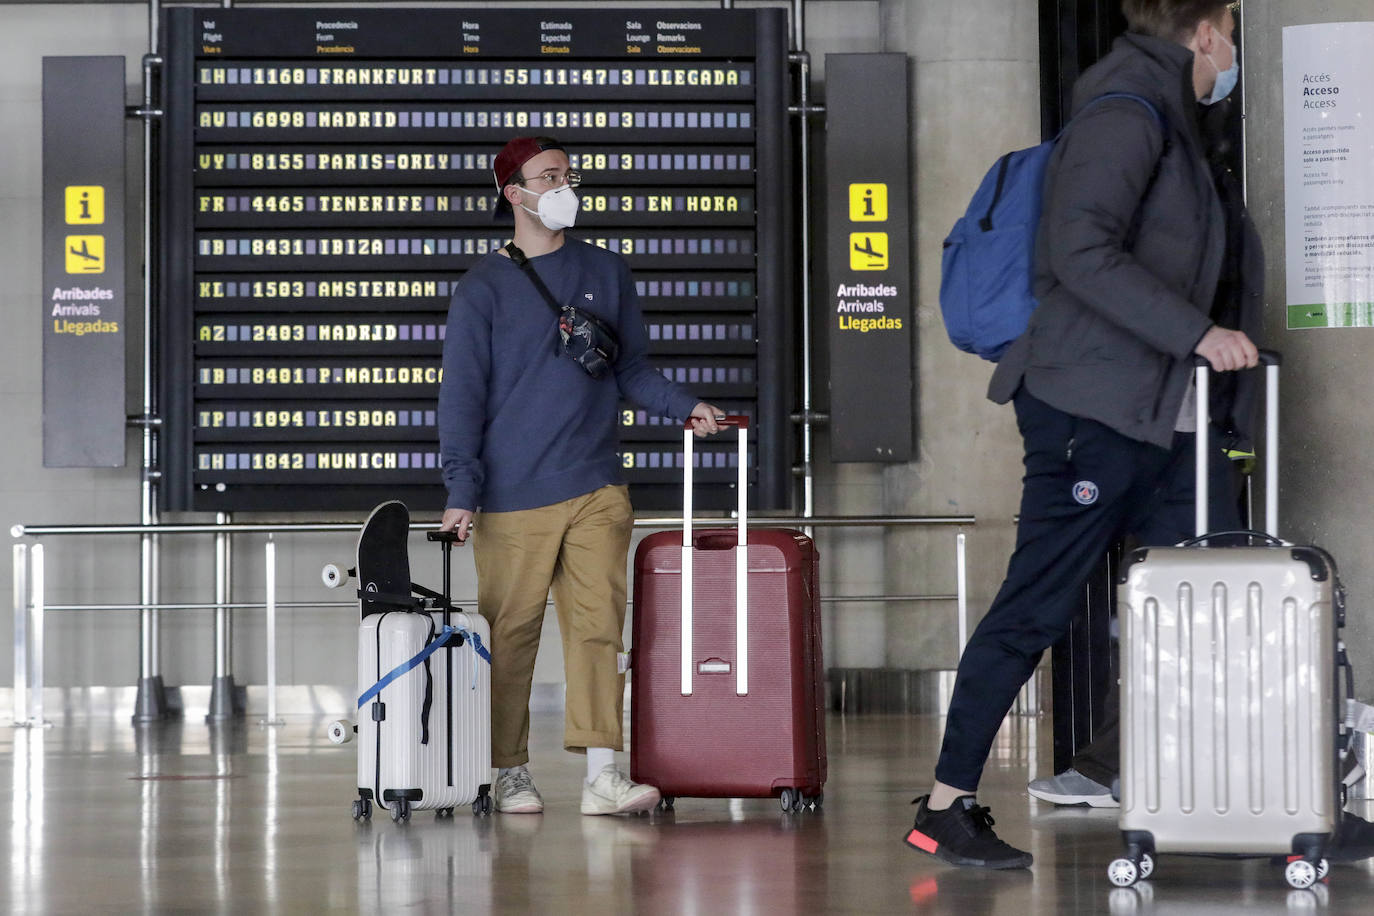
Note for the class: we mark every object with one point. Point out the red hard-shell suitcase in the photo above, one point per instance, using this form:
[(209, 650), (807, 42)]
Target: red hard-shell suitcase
[(726, 695)]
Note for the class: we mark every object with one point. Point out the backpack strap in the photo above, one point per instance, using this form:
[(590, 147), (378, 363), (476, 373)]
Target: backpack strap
[(1159, 120), (1134, 228), (985, 222), (1158, 115), (1003, 164)]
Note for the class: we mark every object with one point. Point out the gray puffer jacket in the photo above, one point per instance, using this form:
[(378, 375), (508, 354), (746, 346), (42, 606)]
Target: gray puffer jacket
[(1125, 287)]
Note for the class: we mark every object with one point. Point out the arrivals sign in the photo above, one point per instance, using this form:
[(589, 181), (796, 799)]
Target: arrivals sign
[(84, 414), (1328, 94), (868, 303)]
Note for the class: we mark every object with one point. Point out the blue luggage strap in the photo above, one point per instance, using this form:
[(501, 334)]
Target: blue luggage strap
[(444, 636)]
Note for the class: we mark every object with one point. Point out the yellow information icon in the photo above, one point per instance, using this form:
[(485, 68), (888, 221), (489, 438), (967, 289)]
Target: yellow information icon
[(85, 254), (85, 205), (868, 251), (867, 203)]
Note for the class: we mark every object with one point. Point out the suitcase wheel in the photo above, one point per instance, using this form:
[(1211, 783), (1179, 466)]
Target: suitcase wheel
[(481, 806), (362, 809), (400, 810), (666, 803), (1123, 872), (792, 800), (1301, 874), (441, 813)]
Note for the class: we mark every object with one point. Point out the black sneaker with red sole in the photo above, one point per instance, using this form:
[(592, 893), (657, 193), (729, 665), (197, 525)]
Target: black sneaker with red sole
[(962, 835)]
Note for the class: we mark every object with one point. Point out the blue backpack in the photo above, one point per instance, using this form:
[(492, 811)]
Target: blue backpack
[(985, 272)]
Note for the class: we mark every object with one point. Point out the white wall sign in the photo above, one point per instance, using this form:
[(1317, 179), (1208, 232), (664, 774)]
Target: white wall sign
[(1328, 87)]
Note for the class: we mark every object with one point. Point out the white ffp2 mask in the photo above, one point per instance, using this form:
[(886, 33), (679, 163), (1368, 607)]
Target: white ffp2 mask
[(557, 208)]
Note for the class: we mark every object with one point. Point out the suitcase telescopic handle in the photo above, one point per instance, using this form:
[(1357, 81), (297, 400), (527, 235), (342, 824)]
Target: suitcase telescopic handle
[(741, 558), (742, 424), (1270, 360), (447, 539)]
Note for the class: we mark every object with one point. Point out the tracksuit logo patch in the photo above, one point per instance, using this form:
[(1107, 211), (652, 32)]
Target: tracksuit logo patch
[(1085, 492)]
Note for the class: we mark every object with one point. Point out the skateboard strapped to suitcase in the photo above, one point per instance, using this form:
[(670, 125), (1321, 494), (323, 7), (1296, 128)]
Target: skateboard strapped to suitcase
[(424, 682), (726, 697), (1231, 702)]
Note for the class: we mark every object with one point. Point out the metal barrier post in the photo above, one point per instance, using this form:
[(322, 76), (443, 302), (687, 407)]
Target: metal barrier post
[(223, 693), (21, 632), (961, 567), (270, 564), (36, 640)]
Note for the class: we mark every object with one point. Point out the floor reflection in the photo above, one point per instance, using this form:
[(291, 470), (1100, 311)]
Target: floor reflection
[(238, 818)]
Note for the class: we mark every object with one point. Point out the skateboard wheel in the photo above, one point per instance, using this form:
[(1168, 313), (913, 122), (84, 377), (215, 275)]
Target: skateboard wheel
[(334, 575), (340, 731)]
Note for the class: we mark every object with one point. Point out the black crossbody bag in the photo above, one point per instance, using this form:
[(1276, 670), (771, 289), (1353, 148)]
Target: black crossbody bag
[(591, 342)]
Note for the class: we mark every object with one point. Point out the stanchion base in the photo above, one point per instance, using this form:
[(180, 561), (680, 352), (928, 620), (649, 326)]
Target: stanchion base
[(33, 723), (226, 700), (151, 703)]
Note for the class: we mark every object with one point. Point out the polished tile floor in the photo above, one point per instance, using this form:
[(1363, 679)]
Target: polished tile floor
[(185, 818)]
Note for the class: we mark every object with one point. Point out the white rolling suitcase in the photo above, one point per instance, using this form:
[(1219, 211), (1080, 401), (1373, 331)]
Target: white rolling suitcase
[(1231, 708), (424, 682), (424, 735)]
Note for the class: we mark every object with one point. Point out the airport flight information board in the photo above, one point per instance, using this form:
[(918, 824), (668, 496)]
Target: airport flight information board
[(325, 180)]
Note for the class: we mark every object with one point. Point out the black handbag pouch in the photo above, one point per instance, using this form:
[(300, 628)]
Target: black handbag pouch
[(589, 341)]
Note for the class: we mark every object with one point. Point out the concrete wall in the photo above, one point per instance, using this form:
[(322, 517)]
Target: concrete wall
[(976, 78), (1327, 427)]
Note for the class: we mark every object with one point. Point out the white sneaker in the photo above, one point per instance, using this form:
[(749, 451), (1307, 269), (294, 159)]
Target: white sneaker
[(612, 792), (516, 794)]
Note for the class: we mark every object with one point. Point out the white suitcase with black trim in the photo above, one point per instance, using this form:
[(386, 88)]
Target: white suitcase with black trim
[(424, 736), (424, 682)]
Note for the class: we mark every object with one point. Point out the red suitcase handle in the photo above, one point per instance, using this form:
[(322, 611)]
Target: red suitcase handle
[(733, 419)]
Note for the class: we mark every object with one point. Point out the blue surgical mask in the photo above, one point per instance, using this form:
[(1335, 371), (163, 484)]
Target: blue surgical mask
[(1226, 79)]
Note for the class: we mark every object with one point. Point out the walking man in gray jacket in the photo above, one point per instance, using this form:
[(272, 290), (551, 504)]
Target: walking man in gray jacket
[(1139, 266)]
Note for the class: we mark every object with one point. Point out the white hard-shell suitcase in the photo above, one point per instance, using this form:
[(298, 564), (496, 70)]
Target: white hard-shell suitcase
[(1231, 707), (414, 754), (424, 683)]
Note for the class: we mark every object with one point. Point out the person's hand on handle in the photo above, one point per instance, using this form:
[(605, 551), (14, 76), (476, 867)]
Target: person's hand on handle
[(1227, 350), (459, 521), (704, 417)]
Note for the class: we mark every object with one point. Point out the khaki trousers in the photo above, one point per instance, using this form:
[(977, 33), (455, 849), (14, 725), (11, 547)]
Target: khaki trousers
[(577, 548)]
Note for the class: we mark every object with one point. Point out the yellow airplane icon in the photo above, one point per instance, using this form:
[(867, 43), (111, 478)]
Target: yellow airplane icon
[(868, 251), (85, 254)]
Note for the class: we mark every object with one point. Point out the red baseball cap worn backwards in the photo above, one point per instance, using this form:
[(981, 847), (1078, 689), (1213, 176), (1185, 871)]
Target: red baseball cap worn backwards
[(515, 154)]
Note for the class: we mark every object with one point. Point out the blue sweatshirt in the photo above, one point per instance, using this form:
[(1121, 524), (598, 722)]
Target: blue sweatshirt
[(520, 425)]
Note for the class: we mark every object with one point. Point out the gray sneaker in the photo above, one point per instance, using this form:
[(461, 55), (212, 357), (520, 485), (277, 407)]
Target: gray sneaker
[(1072, 788), (516, 794)]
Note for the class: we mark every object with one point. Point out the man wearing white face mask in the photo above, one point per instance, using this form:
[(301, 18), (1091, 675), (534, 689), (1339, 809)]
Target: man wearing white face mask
[(527, 436), (1138, 267)]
